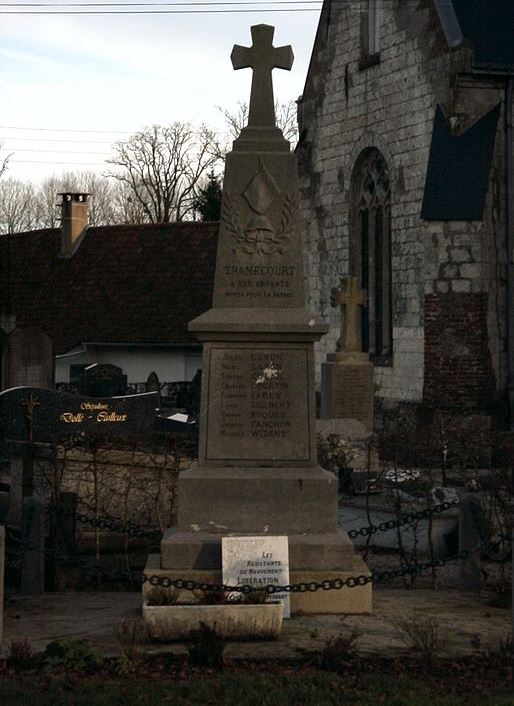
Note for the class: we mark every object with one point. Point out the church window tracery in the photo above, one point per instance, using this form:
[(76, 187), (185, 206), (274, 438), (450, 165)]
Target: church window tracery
[(371, 251)]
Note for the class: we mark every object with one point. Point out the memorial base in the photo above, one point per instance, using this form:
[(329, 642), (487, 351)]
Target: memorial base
[(355, 600)]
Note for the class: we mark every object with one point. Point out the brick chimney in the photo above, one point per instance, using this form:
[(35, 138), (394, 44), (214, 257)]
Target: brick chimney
[(74, 219)]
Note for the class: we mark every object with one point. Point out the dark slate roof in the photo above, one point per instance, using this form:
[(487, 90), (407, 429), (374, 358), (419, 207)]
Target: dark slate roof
[(458, 169), (124, 284), (488, 25)]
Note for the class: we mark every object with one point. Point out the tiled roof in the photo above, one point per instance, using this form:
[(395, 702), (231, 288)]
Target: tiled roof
[(124, 284)]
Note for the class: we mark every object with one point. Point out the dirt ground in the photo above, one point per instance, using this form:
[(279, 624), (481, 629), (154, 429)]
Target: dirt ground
[(462, 617)]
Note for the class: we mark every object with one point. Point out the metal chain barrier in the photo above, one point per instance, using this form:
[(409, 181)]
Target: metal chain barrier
[(96, 567), (407, 519), (114, 524), (375, 577)]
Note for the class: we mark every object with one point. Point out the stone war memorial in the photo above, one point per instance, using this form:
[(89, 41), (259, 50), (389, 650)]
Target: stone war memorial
[(257, 473)]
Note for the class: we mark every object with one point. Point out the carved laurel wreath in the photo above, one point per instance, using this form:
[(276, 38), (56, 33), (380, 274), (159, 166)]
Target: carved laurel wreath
[(256, 241)]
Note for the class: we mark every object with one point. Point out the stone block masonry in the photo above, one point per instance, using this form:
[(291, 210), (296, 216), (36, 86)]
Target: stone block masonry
[(349, 106)]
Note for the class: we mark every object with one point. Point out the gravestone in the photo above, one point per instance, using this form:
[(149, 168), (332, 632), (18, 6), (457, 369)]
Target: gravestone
[(102, 380), (33, 563), (152, 383), (257, 472), (30, 359), (33, 415), (347, 388), (46, 416)]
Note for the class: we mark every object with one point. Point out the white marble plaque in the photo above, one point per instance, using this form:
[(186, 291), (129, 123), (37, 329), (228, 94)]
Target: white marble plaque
[(257, 561)]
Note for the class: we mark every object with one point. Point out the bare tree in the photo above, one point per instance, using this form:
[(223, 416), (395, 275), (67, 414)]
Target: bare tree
[(162, 167), (285, 116), (4, 161), (18, 206), (127, 207), (102, 209)]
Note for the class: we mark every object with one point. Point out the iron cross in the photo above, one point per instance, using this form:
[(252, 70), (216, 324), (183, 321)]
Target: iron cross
[(31, 403), (350, 297), (262, 57)]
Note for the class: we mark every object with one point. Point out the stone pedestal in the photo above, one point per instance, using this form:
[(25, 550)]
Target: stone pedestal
[(347, 388)]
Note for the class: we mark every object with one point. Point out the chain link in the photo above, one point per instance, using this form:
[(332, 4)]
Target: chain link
[(402, 521), (375, 577), (112, 524)]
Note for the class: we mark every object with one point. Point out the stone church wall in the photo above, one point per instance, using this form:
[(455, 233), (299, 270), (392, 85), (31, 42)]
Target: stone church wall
[(391, 106)]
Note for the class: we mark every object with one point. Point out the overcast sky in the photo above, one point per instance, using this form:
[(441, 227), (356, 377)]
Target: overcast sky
[(119, 73)]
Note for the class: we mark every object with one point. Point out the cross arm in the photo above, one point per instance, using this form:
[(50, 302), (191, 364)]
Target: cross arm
[(241, 57)]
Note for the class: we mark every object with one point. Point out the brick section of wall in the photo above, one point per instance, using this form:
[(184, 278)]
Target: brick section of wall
[(458, 371)]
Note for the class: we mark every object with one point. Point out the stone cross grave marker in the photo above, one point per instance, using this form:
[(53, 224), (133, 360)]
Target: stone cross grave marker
[(262, 57), (350, 298), (257, 561), (347, 386)]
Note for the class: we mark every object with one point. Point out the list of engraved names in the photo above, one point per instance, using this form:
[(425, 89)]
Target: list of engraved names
[(258, 408)]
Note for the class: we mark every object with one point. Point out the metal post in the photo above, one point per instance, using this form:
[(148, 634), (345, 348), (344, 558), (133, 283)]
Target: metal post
[(469, 540)]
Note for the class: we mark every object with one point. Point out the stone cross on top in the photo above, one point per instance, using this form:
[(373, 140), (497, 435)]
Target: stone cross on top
[(350, 297), (262, 57)]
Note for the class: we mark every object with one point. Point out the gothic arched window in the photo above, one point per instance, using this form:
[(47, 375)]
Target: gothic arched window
[(371, 251)]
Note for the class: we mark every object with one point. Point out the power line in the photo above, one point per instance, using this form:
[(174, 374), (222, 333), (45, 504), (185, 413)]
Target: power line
[(157, 12), (3, 138), (74, 164), (54, 129), (19, 149), (159, 4)]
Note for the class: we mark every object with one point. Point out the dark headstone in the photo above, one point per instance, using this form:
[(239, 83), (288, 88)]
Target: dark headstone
[(30, 414), (152, 383), (30, 359), (195, 394), (469, 540), (33, 563), (102, 380)]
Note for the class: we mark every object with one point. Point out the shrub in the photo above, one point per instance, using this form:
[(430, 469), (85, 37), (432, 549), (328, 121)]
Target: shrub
[(162, 596), (338, 653), (20, 655), (71, 655), (422, 635), (254, 597), (206, 648), (211, 597), (131, 635)]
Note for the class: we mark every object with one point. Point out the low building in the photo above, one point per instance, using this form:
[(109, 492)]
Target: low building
[(78, 295)]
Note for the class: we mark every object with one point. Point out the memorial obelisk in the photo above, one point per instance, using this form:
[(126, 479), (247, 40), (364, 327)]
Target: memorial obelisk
[(257, 472)]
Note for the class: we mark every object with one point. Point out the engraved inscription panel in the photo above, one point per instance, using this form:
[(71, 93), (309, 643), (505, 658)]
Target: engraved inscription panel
[(257, 407), (352, 393), (262, 285)]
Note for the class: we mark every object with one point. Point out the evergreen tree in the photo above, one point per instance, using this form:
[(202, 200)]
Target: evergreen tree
[(208, 202)]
